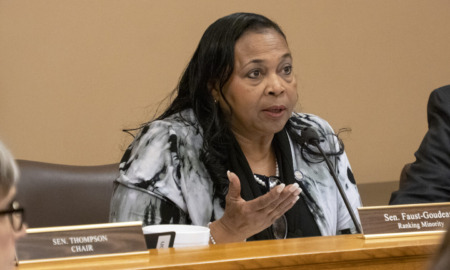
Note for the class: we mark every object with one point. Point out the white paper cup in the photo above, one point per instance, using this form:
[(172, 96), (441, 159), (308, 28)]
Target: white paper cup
[(185, 235)]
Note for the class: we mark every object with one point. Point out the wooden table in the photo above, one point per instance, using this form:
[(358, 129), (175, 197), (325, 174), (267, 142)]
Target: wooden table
[(331, 252)]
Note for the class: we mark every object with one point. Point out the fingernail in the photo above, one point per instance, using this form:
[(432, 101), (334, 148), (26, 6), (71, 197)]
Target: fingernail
[(296, 199), (280, 188), (294, 187), (228, 173)]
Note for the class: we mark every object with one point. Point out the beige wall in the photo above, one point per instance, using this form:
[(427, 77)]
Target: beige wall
[(73, 73)]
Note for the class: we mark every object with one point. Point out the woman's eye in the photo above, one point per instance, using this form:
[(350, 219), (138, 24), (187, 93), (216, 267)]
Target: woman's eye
[(287, 70), (254, 74)]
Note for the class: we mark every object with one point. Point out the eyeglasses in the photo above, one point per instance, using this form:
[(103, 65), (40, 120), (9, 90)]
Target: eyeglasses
[(16, 215), (280, 226)]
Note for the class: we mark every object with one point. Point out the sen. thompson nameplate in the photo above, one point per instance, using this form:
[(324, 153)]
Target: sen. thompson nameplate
[(404, 219)]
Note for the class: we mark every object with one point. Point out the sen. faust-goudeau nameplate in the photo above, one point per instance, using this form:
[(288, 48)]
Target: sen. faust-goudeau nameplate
[(66, 242), (412, 219)]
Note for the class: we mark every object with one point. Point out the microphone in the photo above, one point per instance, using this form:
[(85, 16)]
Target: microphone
[(310, 136)]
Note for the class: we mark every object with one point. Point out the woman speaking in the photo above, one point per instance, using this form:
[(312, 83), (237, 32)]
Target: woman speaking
[(228, 152)]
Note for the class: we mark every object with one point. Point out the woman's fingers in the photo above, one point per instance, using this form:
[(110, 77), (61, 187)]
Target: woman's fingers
[(277, 195), (234, 188), (249, 217), (276, 208), (283, 207), (267, 199)]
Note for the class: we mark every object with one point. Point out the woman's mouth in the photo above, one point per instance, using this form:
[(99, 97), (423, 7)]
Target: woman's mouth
[(275, 111)]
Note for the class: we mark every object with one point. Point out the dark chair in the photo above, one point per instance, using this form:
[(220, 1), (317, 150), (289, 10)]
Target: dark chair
[(61, 195), (375, 194), (403, 176)]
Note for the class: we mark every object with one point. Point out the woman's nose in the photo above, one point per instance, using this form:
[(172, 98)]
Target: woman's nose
[(274, 85)]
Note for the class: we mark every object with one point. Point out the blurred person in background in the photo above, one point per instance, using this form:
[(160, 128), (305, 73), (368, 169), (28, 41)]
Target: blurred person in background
[(11, 214), (427, 180)]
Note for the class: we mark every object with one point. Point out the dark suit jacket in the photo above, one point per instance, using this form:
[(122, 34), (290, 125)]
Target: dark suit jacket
[(428, 178)]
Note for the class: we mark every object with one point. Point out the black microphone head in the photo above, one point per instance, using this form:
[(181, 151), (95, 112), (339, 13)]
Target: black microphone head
[(309, 135)]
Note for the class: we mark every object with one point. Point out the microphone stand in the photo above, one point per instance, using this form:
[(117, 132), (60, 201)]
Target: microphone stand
[(315, 142)]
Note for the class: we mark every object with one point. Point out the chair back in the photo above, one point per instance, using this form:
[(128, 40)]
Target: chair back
[(61, 195)]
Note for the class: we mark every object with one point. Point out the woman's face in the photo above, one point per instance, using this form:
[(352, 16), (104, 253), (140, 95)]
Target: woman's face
[(7, 235), (262, 90)]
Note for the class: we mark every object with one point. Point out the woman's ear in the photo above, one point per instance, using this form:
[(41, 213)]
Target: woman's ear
[(214, 92)]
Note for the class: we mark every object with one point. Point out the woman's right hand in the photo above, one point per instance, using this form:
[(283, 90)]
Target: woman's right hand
[(243, 219)]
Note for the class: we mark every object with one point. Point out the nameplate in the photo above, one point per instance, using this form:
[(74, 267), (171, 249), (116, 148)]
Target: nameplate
[(70, 242), (407, 219)]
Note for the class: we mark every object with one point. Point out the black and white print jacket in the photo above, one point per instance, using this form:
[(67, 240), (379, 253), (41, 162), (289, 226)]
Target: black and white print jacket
[(162, 180)]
